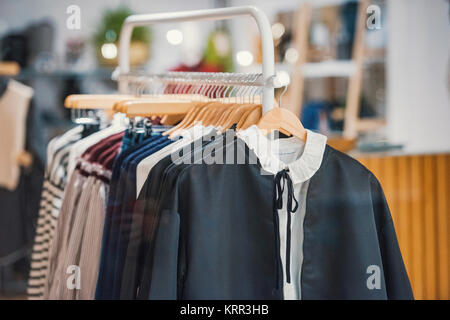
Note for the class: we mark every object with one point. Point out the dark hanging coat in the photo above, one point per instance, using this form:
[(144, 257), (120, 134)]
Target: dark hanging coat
[(216, 235)]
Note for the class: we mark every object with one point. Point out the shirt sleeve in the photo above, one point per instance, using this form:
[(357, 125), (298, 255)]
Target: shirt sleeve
[(397, 282), (161, 224), (164, 273)]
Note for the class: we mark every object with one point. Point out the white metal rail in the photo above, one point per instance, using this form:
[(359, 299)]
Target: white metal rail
[(268, 59)]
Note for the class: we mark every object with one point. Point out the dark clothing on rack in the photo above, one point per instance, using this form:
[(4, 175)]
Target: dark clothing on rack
[(201, 229), (205, 246), (105, 276), (143, 225), (215, 235), (120, 206), (348, 228), (129, 200)]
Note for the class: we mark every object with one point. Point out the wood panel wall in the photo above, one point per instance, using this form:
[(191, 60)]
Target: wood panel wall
[(417, 189)]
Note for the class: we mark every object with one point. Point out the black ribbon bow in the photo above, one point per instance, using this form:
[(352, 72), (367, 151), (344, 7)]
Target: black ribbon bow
[(281, 180)]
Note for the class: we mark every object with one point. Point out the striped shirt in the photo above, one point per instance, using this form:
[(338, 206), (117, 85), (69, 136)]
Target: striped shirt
[(55, 180), (80, 225)]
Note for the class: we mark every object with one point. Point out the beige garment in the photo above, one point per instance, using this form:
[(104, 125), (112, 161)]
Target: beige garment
[(68, 257), (84, 232), (13, 113), (92, 242), (58, 247)]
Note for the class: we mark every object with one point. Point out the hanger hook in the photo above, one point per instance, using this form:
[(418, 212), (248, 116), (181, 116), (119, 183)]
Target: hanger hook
[(282, 93)]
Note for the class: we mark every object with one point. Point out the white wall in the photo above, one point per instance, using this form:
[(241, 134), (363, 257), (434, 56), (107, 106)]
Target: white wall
[(20, 13), (418, 113), (164, 55)]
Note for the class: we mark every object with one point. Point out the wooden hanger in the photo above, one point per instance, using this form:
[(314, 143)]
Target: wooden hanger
[(172, 119), (235, 116), (189, 116), (94, 101), (207, 115), (152, 107), (216, 115), (171, 108), (255, 113), (224, 116), (108, 101), (252, 118), (284, 121), (190, 121), (211, 114), (200, 117), (121, 102), (206, 111), (243, 117)]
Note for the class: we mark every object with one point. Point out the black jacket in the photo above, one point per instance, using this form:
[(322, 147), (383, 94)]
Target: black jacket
[(215, 235)]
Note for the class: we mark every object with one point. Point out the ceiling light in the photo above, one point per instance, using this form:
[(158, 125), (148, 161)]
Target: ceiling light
[(109, 50), (174, 37), (244, 58), (291, 55), (278, 30)]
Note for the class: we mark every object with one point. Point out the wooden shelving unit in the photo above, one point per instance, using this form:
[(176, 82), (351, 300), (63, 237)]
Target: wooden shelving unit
[(351, 69)]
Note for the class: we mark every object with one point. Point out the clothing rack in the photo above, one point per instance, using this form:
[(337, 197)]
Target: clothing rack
[(127, 204), (267, 80), (214, 78)]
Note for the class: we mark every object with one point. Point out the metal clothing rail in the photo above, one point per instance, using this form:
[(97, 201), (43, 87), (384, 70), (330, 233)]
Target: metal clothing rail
[(213, 78), (268, 58)]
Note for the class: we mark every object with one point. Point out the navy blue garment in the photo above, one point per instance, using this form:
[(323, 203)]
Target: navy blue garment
[(128, 201), (127, 140), (115, 190), (131, 138)]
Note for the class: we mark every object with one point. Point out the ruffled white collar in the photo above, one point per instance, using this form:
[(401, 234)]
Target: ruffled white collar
[(266, 149)]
